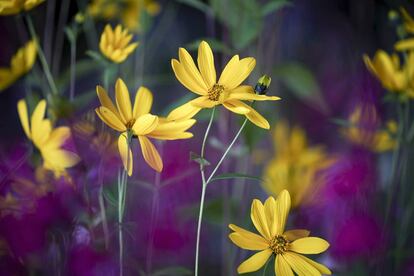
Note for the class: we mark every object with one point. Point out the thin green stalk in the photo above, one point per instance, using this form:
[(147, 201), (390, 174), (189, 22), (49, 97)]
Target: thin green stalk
[(41, 55), (72, 68), (203, 190)]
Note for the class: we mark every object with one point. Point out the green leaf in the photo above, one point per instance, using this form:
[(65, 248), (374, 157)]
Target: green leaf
[(173, 270), (97, 57), (110, 197), (197, 4), (225, 176), (197, 158), (70, 34), (273, 6), (301, 81)]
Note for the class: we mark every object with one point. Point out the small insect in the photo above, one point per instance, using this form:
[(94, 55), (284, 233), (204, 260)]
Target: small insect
[(262, 85)]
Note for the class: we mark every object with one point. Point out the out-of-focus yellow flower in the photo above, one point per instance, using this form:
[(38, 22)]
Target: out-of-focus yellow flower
[(115, 44), (269, 219), (21, 63), (364, 130), (11, 7), (408, 21), (138, 121), (227, 91), (47, 140), (128, 11), (296, 166)]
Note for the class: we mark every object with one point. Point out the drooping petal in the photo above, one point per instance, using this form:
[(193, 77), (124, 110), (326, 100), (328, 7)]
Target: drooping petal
[(295, 234), (125, 152), (246, 93), (236, 106), (309, 245), (186, 80), (236, 71), (145, 124), (257, 119), (24, 117), (299, 265), (282, 268), (259, 220), (105, 100), (203, 102), (205, 62), (110, 118), (282, 210), (188, 64), (150, 153), (123, 101), (246, 239), (183, 112), (143, 102), (320, 267), (171, 130), (270, 212), (255, 262)]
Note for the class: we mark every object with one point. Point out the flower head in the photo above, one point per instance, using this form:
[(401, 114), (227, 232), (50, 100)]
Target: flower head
[(114, 44), (227, 91), (269, 220), (20, 64), (12, 7), (47, 140), (137, 122)]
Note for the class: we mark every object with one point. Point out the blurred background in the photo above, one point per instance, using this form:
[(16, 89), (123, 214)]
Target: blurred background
[(339, 177)]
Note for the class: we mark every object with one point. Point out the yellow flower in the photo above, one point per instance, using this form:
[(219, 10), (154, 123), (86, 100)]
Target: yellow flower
[(287, 246), (408, 20), (138, 122), (227, 91), (114, 44), (47, 139), (296, 166), (20, 64), (11, 7), (363, 130)]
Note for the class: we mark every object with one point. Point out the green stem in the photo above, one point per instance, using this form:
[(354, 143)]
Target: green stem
[(42, 57), (72, 68)]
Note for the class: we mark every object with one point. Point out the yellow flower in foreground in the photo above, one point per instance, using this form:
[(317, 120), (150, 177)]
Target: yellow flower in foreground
[(20, 64), (364, 131), (47, 139), (114, 44), (287, 246), (138, 122), (296, 166), (11, 7), (227, 91)]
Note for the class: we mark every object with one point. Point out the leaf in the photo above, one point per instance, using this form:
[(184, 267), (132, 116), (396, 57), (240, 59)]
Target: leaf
[(301, 81), (110, 197), (173, 270), (97, 57), (225, 176), (273, 6), (70, 34), (197, 158)]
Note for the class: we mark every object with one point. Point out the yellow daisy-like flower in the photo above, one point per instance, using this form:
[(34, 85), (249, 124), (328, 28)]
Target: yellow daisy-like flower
[(227, 91), (11, 7), (287, 246), (47, 140), (363, 130), (138, 122), (20, 64), (114, 44), (296, 166)]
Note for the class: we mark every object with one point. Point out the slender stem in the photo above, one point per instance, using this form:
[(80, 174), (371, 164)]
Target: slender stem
[(103, 215), (42, 57), (203, 191), (72, 68)]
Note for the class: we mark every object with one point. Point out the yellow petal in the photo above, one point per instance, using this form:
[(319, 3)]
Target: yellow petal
[(186, 79), (123, 101), (255, 262), (38, 115), (236, 71), (295, 234), (246, 239), (183, 112), (110, 118), (150, 153), (143, 102), (246, 93), (188, 64), (58, 158), (171, 130), (403, 45), (259, 220), (145, 124), (309, 245), (125, 152), (270, 212), (57, 137), (299, 265), (257, 119), (236, 106), (105, 100), (203, 102), (320, 267), (282, 268), (205, 62), (24, 117), (282, 210)]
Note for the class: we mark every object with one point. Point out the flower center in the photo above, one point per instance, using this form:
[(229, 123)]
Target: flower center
[(215, 92), (279, 244), (130, 123)]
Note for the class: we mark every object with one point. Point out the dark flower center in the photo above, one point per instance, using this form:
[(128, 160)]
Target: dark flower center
[(215, 92), (279, 244)]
